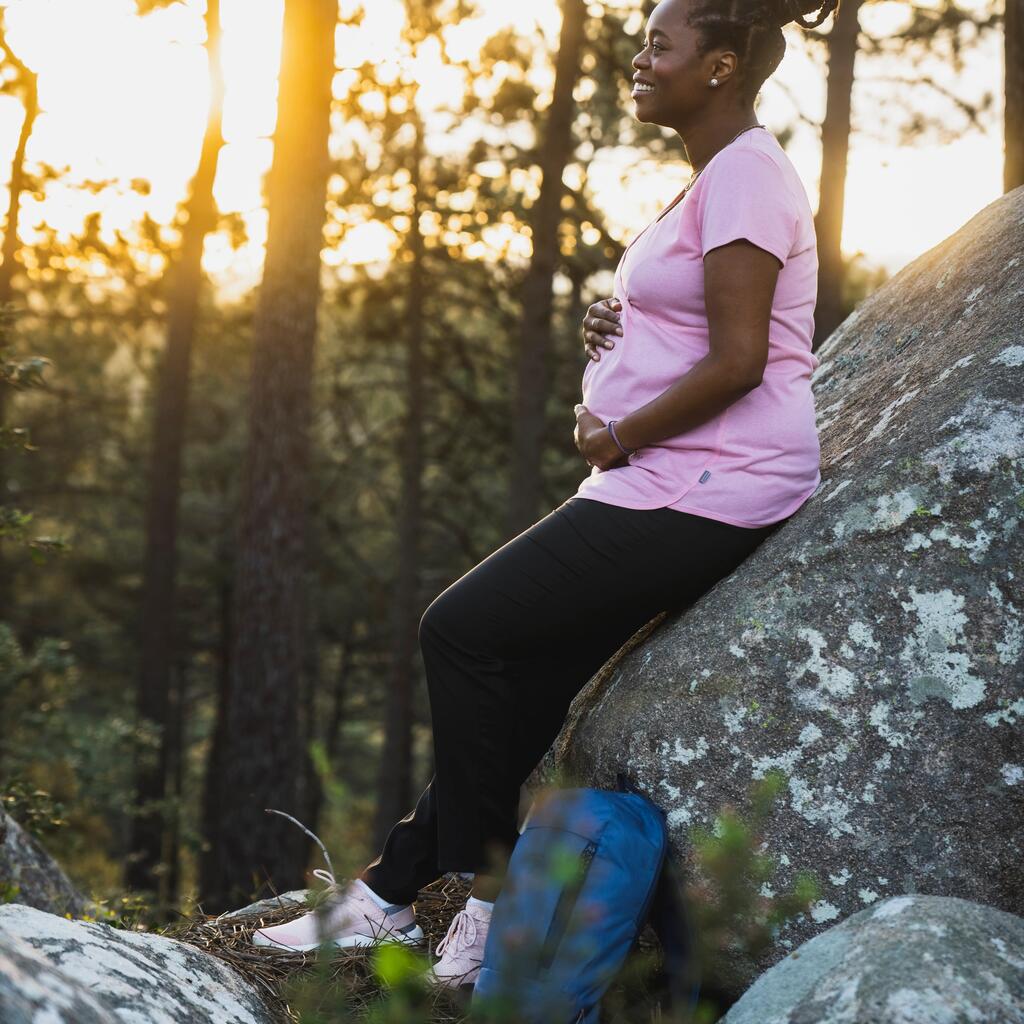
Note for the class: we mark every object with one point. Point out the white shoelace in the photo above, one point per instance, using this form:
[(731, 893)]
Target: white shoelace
[(377, 929), (325, 876), (461, 933)]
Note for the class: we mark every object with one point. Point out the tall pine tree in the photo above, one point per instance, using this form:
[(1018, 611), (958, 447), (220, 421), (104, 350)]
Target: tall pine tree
[(261, 761)]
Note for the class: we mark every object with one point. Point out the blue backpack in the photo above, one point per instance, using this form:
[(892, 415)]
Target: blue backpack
[(581, 883)]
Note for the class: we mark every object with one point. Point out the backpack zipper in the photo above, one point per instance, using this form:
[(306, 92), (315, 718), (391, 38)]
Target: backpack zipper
[(564, 907)]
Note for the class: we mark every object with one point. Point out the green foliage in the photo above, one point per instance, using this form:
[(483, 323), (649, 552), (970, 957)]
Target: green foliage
[(732, 913), (34, 809), (394, 973), (128, 913), (21, 375)]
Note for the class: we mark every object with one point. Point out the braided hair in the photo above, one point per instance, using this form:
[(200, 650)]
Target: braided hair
[(752, 29)]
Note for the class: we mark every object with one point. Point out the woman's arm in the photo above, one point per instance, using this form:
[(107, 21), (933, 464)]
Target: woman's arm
[(739, 285)]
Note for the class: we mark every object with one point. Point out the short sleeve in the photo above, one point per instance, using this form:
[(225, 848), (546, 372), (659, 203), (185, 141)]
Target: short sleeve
[(745, 195)]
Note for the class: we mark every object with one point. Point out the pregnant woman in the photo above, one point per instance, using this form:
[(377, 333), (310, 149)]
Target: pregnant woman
[(698, 422)]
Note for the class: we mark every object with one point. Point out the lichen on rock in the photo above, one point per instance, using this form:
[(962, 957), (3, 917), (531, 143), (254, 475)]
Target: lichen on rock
[(912, 959), (873, 644), (132, 977)]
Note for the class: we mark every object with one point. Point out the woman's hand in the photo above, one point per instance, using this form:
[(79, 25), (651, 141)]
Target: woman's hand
[(594, 441), (600, 325)]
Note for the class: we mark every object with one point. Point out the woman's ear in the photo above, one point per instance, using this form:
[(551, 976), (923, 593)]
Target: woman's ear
[(724, 66)]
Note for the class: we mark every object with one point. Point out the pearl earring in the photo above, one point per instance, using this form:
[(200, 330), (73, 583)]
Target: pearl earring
[(714, 81)]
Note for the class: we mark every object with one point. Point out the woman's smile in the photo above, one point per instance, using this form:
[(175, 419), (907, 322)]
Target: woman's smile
[(641, 88)]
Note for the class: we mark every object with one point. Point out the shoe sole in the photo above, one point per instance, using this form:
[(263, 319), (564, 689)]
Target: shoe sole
[(413, 938), (463, 986), (446, 981)]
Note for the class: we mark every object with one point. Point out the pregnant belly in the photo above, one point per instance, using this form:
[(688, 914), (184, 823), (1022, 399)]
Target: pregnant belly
[(634, 373)]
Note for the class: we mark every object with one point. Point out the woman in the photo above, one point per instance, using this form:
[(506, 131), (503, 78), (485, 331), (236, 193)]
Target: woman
[(698, 423)]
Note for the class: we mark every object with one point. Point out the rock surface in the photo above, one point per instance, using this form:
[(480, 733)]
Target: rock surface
[(130, 976), (38, 878), (871, 649), (911, 959), (286, 899), (33, 990)]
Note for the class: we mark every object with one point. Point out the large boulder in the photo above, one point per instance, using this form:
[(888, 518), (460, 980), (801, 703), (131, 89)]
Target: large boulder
[(31, 876), (871, 649), (33, 990), (130, 976), (911, 959)]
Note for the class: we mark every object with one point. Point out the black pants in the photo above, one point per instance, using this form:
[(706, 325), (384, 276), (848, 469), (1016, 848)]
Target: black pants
[(508, 646)]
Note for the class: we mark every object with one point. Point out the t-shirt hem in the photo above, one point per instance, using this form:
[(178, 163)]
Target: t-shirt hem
[(721, 518), (743, 235), (695, 511), (607, 499), (732, 521)]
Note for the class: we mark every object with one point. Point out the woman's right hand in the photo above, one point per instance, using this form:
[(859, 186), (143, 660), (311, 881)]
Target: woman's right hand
[(600, 326)]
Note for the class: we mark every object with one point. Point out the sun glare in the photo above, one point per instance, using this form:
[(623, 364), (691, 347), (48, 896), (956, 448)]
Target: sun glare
[(131, 105)]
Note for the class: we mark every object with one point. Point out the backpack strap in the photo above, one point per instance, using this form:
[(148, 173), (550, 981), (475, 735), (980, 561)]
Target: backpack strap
[(625, 784), (671, 923)]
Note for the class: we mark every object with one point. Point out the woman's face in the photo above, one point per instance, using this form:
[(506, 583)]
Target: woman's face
[(670, 64)]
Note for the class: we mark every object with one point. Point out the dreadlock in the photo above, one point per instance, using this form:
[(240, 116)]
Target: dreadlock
[(753, 30)]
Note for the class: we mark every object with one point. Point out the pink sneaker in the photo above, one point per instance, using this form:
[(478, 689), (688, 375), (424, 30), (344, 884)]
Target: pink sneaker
[(350, 918), (462, 949)]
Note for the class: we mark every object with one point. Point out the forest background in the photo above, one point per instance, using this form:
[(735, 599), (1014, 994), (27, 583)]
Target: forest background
[(266, 391)]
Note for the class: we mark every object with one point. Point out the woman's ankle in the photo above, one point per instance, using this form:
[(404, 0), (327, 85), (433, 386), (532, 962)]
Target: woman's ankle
[(382, 901), (486, 888)]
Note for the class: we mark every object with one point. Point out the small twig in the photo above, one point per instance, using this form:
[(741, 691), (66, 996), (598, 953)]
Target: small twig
[(315, 838)]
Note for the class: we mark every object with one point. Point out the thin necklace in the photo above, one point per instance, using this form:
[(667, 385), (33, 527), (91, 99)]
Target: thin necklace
[(689, 184)]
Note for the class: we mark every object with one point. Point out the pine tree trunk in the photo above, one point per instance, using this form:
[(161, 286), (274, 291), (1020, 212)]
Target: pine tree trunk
[(1013, 118), (170, 878), (261, 765), (8, 254), (309, 807), (532, 383), (209, 866), (835, 147), (332, 738), (156, 627), (394, 788)]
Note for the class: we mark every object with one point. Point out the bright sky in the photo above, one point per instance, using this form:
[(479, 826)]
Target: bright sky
[(131, 104)]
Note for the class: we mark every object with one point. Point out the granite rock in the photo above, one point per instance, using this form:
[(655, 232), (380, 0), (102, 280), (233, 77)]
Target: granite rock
[(907, 959), (871, 648), (33, 990), (32, 876), (133, 977)]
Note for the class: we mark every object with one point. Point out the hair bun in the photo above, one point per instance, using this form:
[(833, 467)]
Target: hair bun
[(795, 10)]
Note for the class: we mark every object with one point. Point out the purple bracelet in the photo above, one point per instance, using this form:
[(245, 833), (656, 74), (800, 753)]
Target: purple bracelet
[(611, 430)]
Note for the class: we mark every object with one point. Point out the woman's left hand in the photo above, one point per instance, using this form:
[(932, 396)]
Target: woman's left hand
[(594, 441)]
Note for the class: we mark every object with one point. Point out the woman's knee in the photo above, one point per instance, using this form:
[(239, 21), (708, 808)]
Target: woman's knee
[(457, 618), (439, 622)]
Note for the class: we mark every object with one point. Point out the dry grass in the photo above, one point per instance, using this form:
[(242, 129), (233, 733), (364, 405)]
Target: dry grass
[(348, 979), (351, 974)]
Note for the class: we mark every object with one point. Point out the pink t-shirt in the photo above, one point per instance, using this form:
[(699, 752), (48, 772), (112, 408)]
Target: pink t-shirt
[(756, 462)]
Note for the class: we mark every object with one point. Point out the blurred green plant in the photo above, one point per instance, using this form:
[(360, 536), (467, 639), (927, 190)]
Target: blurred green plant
[(327, 994), (22, 375), (9, 892), (34, 809), (130, 913), (733, 909)]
